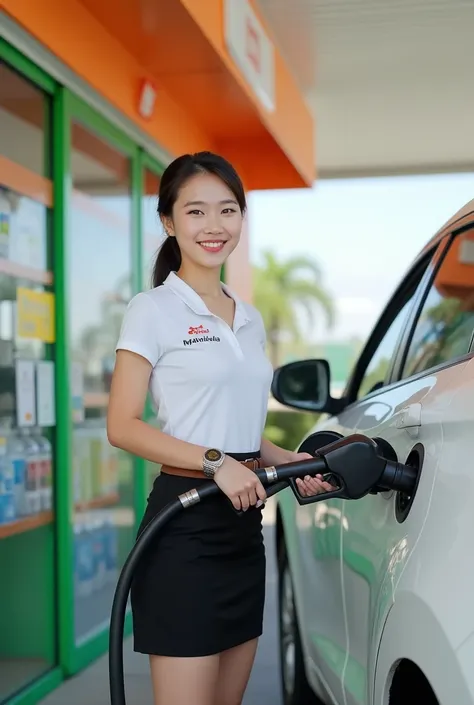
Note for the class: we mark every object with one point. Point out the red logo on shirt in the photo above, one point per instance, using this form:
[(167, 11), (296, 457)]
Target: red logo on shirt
[(197, 330)]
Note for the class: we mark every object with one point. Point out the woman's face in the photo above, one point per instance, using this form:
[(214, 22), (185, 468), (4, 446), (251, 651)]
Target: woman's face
[(206, 221)]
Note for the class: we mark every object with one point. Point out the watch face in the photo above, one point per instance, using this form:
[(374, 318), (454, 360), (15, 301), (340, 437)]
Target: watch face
[(212, 455)]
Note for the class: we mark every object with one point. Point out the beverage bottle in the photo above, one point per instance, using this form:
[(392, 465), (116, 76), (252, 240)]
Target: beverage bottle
[(33, 473), (44, 471), (7, 497), (79, 567), (101, 558), (16, 451), (85, 558), (48, 480), (2, 486), (111, 550), (90, 551)]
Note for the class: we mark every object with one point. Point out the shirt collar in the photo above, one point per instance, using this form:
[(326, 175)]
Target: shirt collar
[(196, 304)]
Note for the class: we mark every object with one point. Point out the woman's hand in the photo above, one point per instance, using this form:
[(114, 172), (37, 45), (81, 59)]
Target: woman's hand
[(308, 486), (239, 483)]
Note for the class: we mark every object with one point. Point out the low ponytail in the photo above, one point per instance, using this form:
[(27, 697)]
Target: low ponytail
[(168, 260)]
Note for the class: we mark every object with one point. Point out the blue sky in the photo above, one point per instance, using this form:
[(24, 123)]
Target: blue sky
[(362, 232)]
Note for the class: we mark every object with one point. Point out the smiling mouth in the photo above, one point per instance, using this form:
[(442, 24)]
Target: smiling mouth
[(212, 245)]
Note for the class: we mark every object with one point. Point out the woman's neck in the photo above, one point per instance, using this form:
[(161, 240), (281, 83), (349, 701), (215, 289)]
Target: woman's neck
[(205, 282)]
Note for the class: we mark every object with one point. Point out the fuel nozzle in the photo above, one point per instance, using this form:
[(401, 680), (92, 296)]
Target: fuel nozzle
[(354, 465)]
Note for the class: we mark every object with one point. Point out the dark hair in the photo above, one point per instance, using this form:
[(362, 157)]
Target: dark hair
[(173, 179)]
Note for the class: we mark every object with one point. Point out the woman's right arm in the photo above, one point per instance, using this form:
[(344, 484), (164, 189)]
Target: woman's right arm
[(139, 349), (125, 428)]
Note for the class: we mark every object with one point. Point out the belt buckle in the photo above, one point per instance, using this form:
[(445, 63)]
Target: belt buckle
[(255, 463)]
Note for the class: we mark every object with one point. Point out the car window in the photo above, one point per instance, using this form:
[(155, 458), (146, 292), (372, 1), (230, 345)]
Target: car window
[(446, 324), (378, 367)]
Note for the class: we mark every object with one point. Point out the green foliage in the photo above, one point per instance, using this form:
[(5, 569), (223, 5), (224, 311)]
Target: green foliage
[(280, 287), (288, 428), (444, 333)]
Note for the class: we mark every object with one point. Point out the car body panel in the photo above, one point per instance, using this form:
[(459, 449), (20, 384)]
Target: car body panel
[(382, 559), (373, 532)]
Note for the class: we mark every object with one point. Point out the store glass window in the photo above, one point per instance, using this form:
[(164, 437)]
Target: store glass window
[(152, 230), (27, 351), (100, 271), (152, 237)]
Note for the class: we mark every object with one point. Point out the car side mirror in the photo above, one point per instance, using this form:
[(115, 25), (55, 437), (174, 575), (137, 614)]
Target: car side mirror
[(305, 385)]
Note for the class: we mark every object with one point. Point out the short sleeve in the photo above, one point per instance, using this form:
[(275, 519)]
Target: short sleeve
[(140, 330)]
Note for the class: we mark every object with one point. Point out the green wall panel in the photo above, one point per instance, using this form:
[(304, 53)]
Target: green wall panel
[(28, 629)]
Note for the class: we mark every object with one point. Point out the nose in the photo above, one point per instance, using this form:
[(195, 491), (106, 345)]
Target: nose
[(213, 227), (213, 224)]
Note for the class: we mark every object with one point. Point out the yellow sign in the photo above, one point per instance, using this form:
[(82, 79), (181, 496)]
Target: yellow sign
[(35, 315)]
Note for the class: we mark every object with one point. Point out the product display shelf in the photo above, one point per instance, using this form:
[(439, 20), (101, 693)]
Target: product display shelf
[(20, 526)]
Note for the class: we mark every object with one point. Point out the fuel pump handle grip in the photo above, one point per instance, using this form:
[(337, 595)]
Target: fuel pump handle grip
[(322, 497)]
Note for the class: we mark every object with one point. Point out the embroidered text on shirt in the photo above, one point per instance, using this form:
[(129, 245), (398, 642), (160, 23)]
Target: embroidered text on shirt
[(203, 339)]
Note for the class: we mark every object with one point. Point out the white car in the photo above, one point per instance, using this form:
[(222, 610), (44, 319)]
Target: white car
[(376, 596)]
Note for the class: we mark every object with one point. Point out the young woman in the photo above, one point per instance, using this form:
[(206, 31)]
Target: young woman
[(198, 598)]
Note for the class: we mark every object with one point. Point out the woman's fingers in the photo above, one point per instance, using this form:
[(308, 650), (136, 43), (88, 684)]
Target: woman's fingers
[(260, 490), (253, 497), (310, 486), (244, 501)]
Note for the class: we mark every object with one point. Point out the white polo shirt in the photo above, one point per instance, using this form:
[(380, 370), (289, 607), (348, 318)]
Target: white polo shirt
[(210, 383)]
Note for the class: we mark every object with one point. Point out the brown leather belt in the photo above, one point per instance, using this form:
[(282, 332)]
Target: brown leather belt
[(252, 464)]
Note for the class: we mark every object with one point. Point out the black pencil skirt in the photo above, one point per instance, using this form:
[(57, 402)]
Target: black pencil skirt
[(200, 588)]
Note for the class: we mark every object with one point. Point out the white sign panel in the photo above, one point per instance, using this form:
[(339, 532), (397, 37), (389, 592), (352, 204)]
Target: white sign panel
[(45, 396), (251, 49)]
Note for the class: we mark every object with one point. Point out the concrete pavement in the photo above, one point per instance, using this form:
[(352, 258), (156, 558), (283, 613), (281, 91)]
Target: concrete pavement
[(90, 687)]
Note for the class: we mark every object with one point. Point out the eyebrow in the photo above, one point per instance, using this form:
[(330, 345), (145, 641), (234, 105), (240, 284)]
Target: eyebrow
[(202, 203)]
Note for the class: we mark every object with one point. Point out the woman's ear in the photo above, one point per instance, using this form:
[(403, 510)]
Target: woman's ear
[(167, 224)]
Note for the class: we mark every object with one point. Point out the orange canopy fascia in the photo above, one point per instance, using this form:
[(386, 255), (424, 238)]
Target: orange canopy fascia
[(202, 99)]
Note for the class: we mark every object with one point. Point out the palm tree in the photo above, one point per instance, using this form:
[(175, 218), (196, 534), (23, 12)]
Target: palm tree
[(280, 287)]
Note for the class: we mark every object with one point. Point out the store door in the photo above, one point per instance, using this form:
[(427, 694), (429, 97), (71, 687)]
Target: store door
[(27, 402), (101, 231)]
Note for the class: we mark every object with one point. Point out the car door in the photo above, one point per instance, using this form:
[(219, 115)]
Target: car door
[(381, 531), (322, 526)]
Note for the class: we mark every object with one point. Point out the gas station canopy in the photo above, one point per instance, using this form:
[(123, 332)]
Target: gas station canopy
[(389, 81)]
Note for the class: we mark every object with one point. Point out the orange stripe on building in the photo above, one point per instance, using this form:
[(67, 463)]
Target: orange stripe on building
[(19, 271), (25, 182)]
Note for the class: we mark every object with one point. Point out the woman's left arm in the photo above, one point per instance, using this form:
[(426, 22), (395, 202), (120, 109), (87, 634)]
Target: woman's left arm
[(272, 454)]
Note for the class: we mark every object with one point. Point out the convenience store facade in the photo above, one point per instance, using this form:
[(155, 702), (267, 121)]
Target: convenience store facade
[(95, 99)]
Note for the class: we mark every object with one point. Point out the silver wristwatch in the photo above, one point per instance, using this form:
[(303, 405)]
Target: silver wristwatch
[(212, 460)]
